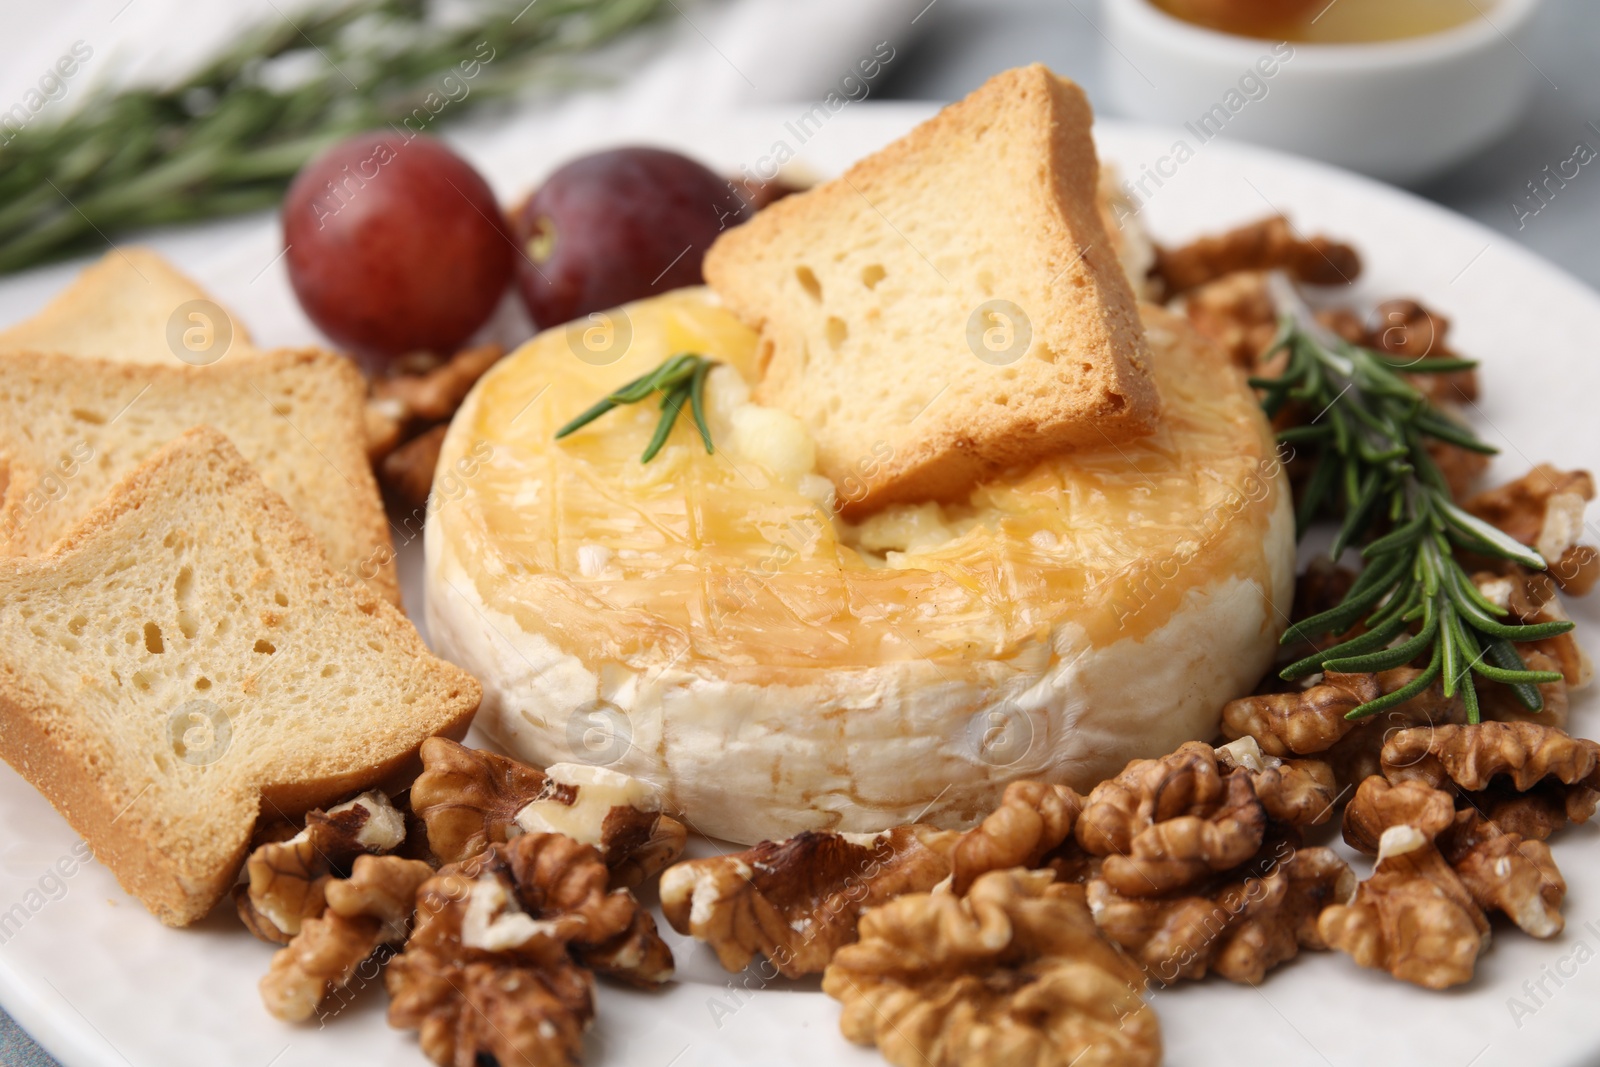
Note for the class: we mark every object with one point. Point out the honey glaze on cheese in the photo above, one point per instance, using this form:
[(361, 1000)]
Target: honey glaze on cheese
[(738, 558)]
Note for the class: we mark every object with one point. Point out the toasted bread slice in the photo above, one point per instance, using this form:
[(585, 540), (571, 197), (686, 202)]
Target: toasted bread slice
[(130, 307), (70, 427), (954, 297), (185, 659)]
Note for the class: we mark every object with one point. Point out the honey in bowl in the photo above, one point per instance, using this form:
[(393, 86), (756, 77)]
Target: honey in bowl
[(1325, 22)]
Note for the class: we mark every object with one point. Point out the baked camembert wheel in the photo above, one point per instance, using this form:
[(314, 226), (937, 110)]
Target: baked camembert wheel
[(708, 623)]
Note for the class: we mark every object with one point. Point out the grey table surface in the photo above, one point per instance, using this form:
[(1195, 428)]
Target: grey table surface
[(963, 42)]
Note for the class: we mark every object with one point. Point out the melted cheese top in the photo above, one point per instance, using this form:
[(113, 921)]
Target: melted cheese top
[(739, 559)]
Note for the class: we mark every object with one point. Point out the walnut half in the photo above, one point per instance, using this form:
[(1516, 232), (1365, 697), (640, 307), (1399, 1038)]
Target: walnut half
[(1267, 244), (1502, 870), (797, 901), (1239, 926), (285, 879), (496, 968), (1413, 918), (365, 912), (1544, 509), (470, 799), (1015, 972)]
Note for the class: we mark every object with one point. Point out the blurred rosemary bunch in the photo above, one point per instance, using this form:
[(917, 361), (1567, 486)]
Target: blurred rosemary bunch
[(1413, 602), (229, 137)]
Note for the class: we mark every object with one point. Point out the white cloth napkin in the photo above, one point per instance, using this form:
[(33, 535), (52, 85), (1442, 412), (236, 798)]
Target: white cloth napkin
[(701, 59), (701, 53)]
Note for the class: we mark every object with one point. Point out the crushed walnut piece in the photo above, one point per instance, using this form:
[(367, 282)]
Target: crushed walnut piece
[(1577, 570), (1146, 792), (525, 1001), (406, 473), (470, 799), (1529, 779), (556, 876), (406, 415), (616, 813), (797, 901), (1237, 313), (498, 964), (1501, 870), (365, 912), (1202, 868), (1312, 721), (1379, 804), (1183, 849), (1413, 918), (385, 428), (1031, 828), (1267, 244), (1531, 598), (1297, 792), (1471, 756), (1544, 510), (551, 879), (1238, 926), (1163, 825), (434, 395), (1506, 872), (1303, 721), (1014, 972), (1538, 812), (286, 879)]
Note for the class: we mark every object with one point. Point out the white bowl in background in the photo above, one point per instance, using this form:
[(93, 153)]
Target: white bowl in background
[(1401, 110)]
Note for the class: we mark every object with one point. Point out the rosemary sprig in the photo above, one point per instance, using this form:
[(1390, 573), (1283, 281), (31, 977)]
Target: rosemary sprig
[(229, 137), (1372, 469), (681, 378)]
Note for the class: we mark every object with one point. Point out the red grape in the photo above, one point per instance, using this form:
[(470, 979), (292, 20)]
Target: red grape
[(617, 226), (395, 245)]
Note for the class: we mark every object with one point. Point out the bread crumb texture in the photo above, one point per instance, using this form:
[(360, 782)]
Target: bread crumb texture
[(185, 658), (71, 426), (957, 293)]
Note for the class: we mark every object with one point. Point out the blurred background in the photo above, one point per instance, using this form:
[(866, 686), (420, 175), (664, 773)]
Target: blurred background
[(964, 41), (703, 55)]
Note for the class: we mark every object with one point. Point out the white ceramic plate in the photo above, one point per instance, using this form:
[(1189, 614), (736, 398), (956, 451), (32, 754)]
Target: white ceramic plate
[(102, 984)]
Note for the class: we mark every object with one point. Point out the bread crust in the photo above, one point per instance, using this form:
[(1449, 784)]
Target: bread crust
[(180, 870), (1083, 380), (347, 511), (119, 309)]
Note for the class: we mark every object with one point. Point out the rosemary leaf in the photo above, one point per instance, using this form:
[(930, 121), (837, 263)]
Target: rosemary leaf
[(680, 379), (1373, 473), (697, 395), (671, 404), (227, 138)]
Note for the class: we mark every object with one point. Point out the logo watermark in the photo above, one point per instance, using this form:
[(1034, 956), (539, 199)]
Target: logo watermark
[(199, 332), (199, 732), (49, 887), (51, 86), (999, 332), (1251, 87), (853, 86), (1542, 191)]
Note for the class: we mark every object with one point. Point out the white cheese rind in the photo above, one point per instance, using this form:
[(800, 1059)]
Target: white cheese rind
[(746, 762)]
